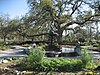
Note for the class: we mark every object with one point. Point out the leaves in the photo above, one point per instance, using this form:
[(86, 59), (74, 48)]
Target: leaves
[(45, 3), (89, 14)]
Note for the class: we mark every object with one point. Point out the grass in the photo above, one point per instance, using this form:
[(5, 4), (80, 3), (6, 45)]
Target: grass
[(3, 47)]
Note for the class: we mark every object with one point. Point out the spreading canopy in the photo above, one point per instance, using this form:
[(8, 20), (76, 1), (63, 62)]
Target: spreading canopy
[(57, 15)]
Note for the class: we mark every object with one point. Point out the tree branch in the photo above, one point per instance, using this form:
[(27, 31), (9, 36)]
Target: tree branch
[(89, 18), (80, 23), (75, 6)]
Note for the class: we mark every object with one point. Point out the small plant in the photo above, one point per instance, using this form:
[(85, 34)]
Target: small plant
[(14, 58), (3, 47), (90, 73), (96, 45), (26, 45), (34, 59), (61, 65), (86, 59), (85, 43), (35, 62), (40, 44)]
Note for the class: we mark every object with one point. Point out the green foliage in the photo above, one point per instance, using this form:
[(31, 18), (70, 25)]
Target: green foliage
[(41, 44), (50, 65), (46, 3), (85, 43), (61, 65), (3, 47), (86, 58), (56, 15), (70, 65), (96, 45), (14, 58), (33, 60), (65, 42), (54, 64), (26, 45), (89, 14), (90, 73)]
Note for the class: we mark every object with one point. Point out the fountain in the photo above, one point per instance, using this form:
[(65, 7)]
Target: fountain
[(52, 49)]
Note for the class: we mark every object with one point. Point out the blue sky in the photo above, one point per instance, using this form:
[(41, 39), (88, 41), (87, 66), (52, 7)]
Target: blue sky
[(13, 7)]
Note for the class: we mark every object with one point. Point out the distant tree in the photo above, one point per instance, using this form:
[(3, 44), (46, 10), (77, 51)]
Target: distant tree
[(4, 29), (13, 28), (97, 10)]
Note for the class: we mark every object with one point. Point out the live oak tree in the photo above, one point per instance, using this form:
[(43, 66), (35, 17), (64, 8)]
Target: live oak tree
[(57, 15), (20, 27), (14, 26), (8, 27), (4, 29), (97, 4)]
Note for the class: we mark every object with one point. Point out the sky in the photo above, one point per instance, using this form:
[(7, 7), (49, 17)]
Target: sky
[(14, 8)]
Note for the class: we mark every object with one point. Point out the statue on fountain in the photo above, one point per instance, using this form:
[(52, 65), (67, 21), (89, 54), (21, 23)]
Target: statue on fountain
[(77, 49)]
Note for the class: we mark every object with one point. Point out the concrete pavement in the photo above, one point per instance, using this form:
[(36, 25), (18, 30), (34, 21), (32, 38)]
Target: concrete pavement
[(17, 51)]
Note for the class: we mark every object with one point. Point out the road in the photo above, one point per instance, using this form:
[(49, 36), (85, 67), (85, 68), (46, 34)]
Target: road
[(95, 54), (17, 51)]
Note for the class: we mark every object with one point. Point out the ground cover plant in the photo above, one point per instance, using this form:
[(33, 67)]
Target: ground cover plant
[(36, 62), (4, 47)]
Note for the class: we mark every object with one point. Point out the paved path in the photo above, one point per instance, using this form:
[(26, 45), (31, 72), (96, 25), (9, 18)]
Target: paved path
[(17, 51), (95, 54)]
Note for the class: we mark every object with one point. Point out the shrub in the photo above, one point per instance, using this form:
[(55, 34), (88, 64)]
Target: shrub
[(70, 65), (25, 45), (40, 44), (35, 62), (45, 66), (85, 43), (90, 73), (96, 45), (3, 47), (61, 65), (86, 58), (50, 65), (34, 59)]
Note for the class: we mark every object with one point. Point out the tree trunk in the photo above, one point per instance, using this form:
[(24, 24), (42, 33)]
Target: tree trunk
[(4, 38), (90, 35), (97, 31), (59, 36), (23, 38)]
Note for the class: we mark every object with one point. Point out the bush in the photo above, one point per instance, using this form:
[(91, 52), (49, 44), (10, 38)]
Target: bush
[(70, 65), (54, 64), (3, 47), (33, 60), (86, 58), (96, 45), (85, 43), (61, 65), (40, 44), (25, 45)]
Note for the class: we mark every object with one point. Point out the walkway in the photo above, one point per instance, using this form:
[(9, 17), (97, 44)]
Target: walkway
[(17, 51), (95, 54)]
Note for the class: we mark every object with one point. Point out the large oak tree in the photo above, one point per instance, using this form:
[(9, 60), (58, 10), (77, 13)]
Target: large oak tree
[(57, 15)]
